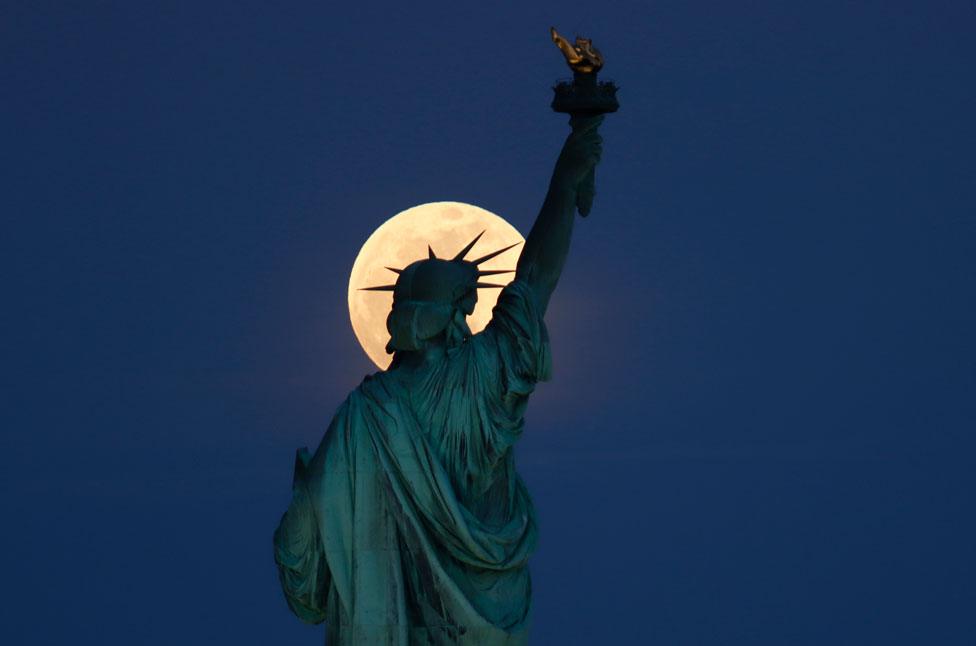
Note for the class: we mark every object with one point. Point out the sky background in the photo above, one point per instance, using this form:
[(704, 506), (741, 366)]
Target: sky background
[(761, 424)]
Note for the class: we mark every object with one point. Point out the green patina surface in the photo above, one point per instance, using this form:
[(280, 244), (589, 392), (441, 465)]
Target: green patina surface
[(409, 524)]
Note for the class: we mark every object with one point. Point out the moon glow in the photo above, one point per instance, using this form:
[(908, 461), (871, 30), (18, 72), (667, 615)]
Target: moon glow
[(403, 239)]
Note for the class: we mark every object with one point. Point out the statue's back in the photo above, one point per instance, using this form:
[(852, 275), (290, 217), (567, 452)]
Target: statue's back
[(410, 518)]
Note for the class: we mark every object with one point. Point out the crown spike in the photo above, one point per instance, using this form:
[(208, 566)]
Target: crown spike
[(493, 272), (461, 254), (395, 270), (495, 253), (378, 288), (430, 252), (488, 285)]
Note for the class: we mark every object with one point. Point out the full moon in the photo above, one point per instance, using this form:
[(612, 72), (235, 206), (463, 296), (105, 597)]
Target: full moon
[(446, 227)]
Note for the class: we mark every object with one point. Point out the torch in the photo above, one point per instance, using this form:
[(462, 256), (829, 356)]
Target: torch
[(584, 96)]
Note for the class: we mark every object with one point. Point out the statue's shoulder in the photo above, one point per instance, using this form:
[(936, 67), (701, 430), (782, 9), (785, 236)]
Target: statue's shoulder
[(372, 399), (379, 388)]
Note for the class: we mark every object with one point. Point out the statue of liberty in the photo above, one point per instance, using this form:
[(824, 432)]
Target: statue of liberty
[(409, 524)]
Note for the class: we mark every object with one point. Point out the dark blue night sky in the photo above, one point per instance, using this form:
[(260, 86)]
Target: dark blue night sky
[(761, 426)]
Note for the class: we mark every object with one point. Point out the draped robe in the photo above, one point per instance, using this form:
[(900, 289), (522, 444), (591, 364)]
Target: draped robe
[(409, 525)]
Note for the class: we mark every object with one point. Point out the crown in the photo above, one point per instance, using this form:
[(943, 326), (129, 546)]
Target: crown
[(460, 258)]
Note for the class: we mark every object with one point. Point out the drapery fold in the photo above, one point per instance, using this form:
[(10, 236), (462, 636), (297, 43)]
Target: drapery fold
[(409, 524)]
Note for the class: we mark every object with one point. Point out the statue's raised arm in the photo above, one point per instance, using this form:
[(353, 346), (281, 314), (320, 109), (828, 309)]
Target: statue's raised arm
[(547, 245), (572, 183)]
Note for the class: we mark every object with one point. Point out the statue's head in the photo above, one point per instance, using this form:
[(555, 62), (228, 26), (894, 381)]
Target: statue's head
[(432, 297)]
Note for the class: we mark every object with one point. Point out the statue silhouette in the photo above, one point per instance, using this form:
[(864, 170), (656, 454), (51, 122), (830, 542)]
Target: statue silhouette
[(409, 524)]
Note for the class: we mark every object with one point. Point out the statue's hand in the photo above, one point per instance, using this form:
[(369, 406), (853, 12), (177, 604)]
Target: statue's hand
[(580, 155)]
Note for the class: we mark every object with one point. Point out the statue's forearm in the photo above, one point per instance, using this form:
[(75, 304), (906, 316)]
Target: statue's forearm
[(547, 245)]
